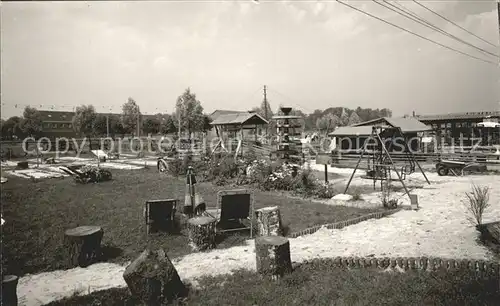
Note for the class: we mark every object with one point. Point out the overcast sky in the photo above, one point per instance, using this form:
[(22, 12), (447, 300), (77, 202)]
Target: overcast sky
[(311, 54)]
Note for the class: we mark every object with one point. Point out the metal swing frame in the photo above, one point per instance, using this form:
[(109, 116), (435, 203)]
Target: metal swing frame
[(382, 160)]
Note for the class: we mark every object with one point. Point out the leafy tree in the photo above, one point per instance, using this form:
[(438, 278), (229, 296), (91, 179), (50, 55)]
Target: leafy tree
[(151, 125), (101, 124), (32, 123), (168, 125), (116, 125), (344, 117), (328, 122), (12, 128), (190, 112), (206, 123), (261, 110), (131, 116), (84, 121), (354, 119)]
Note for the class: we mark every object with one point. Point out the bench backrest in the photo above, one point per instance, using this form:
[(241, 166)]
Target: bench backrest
[(234, 204)]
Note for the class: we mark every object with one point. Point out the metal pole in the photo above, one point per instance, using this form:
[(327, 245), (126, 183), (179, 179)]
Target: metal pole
[(107, 125), (498, 11), (357, 165), (394, 166)]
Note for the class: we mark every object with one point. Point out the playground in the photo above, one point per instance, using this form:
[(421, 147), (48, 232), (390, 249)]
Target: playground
[(36, 218), (399, 216)]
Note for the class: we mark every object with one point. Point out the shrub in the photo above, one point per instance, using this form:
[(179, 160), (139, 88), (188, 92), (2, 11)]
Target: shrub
[(258, 171), (93, 174), (178, 167), (356, 196), (386, 196), (325, 191), (222, 166), (476, 202)]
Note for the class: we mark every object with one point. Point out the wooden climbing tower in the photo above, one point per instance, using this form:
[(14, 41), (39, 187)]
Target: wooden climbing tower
[(289, 147)]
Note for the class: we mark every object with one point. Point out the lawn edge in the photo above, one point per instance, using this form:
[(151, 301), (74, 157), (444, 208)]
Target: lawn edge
[(345, 223), (426, 264)]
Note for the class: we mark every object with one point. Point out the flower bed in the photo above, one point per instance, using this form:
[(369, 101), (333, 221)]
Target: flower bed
[(93, 174)]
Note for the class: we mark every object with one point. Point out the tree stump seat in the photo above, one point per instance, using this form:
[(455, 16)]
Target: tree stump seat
[(153, 279), (9, 290), (269, 221), (273, 256), (202, 232), (83, 245)]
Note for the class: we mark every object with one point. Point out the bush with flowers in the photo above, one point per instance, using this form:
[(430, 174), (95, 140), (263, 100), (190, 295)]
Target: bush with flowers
[(93, 174)]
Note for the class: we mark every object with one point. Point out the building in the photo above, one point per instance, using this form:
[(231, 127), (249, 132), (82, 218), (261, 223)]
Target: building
[(353, 137), (464, 128), (235, 127), (234, 124), (57, 124)]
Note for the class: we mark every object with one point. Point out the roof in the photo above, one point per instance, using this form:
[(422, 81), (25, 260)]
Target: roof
[(56, 116), (352, 131), (220, 112), (239, 118), (407, 125), (458, 116)]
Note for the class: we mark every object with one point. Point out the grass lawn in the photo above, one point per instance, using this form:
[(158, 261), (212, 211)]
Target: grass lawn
[(38, 213), (320, 283)]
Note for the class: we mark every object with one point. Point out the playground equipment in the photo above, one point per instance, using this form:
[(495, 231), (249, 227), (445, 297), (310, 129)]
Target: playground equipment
[(382, 163), (289, 147)]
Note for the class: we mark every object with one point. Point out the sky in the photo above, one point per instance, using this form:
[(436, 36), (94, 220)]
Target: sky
[(310, 55)]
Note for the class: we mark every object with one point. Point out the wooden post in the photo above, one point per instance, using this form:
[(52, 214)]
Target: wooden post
[(269, 221), (273, 256), (201, 232), (326, 174), (414, 201), (83, 245), (153, 279), (9, 290)]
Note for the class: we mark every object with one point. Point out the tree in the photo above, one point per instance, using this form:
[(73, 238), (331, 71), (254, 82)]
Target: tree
[(32, 123), (101, 125), (344, 117), (354, 119), (327, 122), (206, 123), (12, 128), (131, 116), (116, 125), (168, 125), (190, 112), (151, 125), (261, 110), (84, 121)]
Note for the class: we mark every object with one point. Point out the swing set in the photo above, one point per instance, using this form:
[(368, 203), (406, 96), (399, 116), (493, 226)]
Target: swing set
[(380, 162)]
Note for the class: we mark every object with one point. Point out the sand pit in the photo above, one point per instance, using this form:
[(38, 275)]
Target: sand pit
[(439, 228), (45, 171)]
